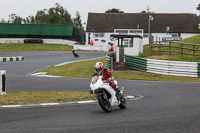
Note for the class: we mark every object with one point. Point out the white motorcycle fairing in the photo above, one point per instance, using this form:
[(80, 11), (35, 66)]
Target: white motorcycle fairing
[(96, 84)]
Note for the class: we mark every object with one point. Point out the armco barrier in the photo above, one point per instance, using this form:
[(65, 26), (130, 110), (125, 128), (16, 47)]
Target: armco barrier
[(7, 59), (175, 68), (136, 63), (198, 69), (109, 62)]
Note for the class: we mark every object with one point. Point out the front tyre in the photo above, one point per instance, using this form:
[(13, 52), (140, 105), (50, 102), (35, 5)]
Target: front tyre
[(122, 104), (104, 103)]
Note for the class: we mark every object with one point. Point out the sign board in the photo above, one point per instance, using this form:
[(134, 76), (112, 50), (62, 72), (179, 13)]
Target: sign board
[(171, 38)]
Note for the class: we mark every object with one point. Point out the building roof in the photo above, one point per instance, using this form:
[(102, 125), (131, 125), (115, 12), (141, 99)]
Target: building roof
[(178, 23)]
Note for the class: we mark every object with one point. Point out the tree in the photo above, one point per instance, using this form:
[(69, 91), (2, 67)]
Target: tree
[(77, 22), (29, 20), (13, 18), (3, 21), (143, 11), (54, 15), (114, 10), (198, 8)]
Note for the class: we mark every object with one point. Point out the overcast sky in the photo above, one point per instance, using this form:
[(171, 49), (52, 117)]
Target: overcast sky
[(24, 8)]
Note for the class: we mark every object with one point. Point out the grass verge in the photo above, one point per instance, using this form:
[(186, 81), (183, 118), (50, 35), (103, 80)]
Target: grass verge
[(12, 98), (85, 69), (33, 47)]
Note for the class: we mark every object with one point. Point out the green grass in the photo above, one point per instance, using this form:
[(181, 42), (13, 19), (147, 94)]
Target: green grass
[(12, 98), (33, 47), (195, 40), (137, 75), (85, 69)]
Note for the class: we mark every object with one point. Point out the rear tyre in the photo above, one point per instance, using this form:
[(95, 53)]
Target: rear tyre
[(104, 103)]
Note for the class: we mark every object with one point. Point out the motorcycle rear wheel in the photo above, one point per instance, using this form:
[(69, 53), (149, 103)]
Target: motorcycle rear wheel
[(104, 103)]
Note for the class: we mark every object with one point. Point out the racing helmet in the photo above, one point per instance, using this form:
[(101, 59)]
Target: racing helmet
[(99, 67)]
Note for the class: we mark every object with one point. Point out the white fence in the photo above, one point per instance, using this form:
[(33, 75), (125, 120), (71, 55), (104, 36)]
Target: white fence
[(175, 68)]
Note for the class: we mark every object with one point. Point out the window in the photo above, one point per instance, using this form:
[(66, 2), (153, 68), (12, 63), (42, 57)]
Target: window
[(122, 32), (136, 31), (174, 34), (98, 34), (146, 35), (125, 41), (101, 34)]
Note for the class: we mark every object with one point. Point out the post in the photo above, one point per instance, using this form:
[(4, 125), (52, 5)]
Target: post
[(193, 49), (169, 48), (151, 45), (118, 42), (156, 39), (122, 39), (149, 25), (2, 82), (181, 49), (150, 18), (159, 47)]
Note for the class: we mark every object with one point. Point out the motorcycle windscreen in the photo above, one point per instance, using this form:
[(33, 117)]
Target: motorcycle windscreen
[(96, 83), (94, 79)]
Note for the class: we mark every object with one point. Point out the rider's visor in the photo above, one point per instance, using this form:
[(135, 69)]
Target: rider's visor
[(98, 69)]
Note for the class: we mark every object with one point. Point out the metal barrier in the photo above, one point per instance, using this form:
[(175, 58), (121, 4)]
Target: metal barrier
[(174, 68), (109, 62), (136, 63), (198, 69)]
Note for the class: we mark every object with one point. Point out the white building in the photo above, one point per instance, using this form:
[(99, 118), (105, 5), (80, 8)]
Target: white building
[(164, 26)]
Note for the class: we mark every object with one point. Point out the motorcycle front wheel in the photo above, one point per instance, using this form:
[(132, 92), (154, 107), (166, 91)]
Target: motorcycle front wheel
[(104, 103), (122, 104)]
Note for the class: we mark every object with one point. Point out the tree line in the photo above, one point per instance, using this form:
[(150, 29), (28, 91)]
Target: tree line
[(55, 15)]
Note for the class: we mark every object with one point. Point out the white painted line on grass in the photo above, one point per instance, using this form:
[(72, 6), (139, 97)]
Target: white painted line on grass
[(46, 104), (90, 101), (11, 106)]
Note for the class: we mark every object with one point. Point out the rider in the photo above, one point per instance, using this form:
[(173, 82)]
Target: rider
[(107, 76)]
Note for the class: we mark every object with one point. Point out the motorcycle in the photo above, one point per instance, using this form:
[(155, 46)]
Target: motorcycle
[(106, 95), (75, 53)]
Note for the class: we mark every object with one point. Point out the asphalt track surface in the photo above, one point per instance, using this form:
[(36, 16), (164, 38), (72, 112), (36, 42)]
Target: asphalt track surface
[(167, 107)]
